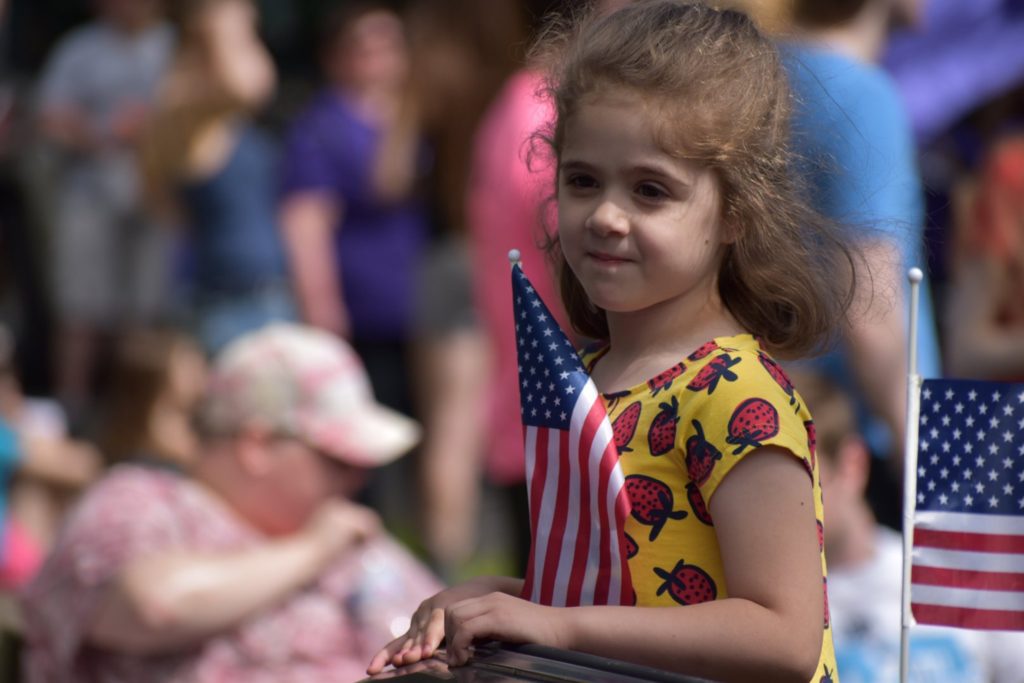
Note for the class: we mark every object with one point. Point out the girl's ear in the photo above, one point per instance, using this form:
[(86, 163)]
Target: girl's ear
[(730, 230)]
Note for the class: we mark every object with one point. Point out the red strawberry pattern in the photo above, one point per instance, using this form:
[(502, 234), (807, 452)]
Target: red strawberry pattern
[(624, 426), (717, 368), (705, 349), (700, 509), (824, 585), (780, 377), (751, 423), (688, 584), (612, 400), (812, 442), (821, 535), (652, 502), (664, 380), (661, 437), (631, 547), (700, 455)]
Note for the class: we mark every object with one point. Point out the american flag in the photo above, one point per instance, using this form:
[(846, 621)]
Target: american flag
[(578, 501), (968, 551)]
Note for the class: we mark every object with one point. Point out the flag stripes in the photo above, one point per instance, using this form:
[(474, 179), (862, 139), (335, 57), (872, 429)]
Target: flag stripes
[(578, 503)]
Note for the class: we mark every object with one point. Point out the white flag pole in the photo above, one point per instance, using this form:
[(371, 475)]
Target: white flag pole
[(910, 470)]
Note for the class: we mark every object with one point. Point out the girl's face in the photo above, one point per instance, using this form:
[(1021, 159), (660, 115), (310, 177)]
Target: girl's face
[(639, 227)]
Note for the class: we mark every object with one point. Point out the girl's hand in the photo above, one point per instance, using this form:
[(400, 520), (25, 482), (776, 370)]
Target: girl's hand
[(426, 629), (498, 616)]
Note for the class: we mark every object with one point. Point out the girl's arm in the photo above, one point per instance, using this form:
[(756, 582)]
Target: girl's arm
[(768, 629)]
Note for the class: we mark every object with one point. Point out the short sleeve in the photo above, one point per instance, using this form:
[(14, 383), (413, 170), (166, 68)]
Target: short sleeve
[(58, 83), (739, 402), (306, 164), (127, 515), (10, 451)]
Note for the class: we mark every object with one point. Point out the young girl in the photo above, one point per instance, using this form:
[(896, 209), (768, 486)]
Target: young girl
[(684, 246)]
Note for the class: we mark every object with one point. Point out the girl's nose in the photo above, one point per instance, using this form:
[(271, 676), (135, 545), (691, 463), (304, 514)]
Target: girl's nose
[(608, 219)]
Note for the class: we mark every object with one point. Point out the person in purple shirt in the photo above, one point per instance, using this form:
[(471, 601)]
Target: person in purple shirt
[(354, 227)]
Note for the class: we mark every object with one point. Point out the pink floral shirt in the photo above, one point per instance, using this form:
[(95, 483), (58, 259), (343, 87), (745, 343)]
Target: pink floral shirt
[(326, 632)]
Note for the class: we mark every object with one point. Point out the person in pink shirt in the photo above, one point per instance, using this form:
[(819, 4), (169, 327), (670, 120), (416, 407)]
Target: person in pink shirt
[(256, 567)]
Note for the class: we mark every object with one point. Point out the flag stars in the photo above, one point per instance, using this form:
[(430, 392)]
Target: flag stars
[(993, 502), (996, 396), (956, 434), (934, 460), (944, 473), (959, 408), (969, 421), (968, 447), (934, 433), (949, 394), (563, 376), (993, 449), (955, 487), (993, 422), (956, 461), (548, 332), (1007, 463), (972, 394), (969, 500), (1007, 410), (920, 498), (924, 419), (980, 488), (936, 407), (983, 409), (944, 499), (968, 474), (979, 461), (945, 449), (981, 435), (1008, 489), (931, 485), (927, 393), (945, 420), (921, 471), (1007, 436)]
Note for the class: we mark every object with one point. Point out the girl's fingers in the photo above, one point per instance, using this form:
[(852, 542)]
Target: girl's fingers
[(385, 655)]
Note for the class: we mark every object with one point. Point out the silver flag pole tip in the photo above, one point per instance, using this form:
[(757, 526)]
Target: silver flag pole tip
[(914, 274), (513, 256)]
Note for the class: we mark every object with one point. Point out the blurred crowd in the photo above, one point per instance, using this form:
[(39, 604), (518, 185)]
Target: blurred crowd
[(187, 183)]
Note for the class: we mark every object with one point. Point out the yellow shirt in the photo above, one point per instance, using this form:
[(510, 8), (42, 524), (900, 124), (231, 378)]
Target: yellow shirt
[(679, 435)]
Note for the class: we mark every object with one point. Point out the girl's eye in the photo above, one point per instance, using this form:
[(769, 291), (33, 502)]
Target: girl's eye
[(651, 191), (580, 181)]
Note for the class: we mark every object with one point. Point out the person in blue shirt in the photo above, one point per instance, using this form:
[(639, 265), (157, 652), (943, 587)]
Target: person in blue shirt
[(854, 137)]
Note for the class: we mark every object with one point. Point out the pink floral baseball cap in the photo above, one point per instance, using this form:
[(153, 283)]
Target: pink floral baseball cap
[(309, 384)]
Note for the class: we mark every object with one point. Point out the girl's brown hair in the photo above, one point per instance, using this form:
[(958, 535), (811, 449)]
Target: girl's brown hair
[(141, 378), (724, 101)]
